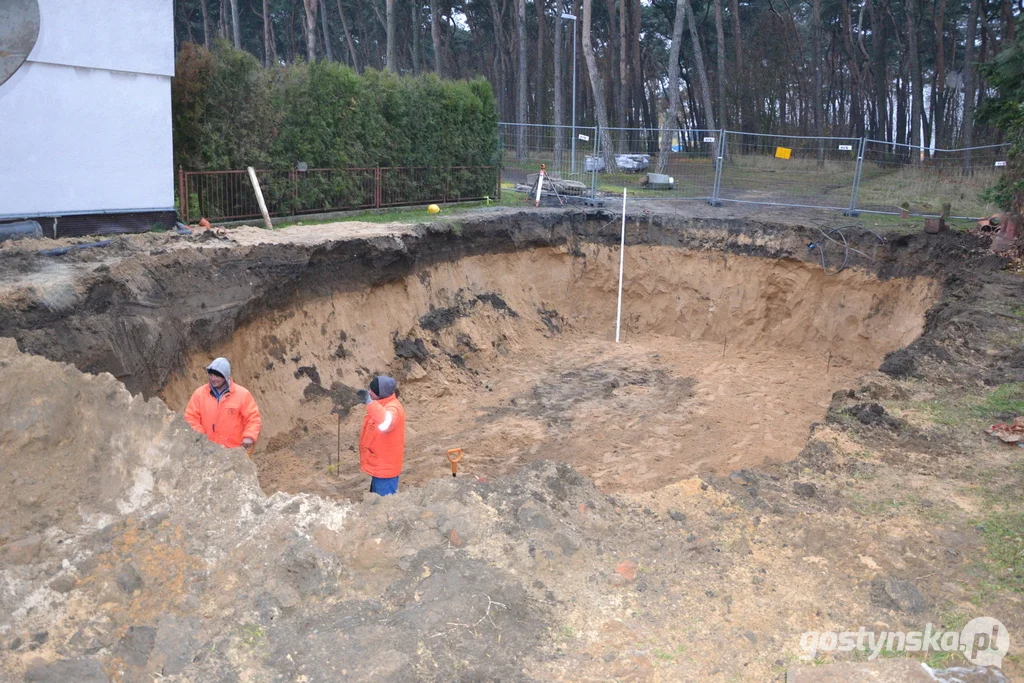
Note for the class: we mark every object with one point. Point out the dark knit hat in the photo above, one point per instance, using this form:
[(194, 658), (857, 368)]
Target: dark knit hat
[(382, 386)]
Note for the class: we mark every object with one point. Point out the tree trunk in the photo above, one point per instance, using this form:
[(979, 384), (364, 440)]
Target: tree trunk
[(205, 7), (740, 78), (856, 118), (392, 30), (970, 82), (236, 27), (310, 7), (610, 70), (521, 68), (636, 70), (879, 67), (916, 86), (435, 37), (691, 100), (501, 60), (979, 84), (623, 102), (268, 39), (381, 38), (559, 88), (292, 51), (348, 39), (454, 67), (596, 87), (479, 50), (328, 51), (416, 38), (901, 106), (938, 98), (671, 118), (816, 93), (539, 69), (720, 39), (702, 72)]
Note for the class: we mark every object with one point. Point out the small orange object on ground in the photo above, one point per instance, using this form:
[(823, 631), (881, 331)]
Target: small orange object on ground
[(454, 456)]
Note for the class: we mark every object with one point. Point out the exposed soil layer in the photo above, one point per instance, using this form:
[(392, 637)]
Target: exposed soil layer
[(139, 307), (727, 362)]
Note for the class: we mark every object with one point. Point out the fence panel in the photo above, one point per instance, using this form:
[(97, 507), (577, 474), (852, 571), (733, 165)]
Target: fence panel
[(228, 195), (789, 170), (828, 173), (902, 178), (526, 146), (473, 183), (636, 152), (292, 193), (412, 185)]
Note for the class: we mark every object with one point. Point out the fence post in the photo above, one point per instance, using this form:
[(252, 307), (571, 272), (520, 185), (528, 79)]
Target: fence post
[(497, 192), (719, 156), (376, 188), (181, 193), (447, 180), (852, 211), (596, 153), (182, 196)]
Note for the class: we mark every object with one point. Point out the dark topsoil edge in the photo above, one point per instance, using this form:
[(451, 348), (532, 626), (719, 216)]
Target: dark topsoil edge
[(140, 315)]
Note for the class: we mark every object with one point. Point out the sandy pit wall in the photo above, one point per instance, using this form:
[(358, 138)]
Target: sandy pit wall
[(327, 346), (140, 311)]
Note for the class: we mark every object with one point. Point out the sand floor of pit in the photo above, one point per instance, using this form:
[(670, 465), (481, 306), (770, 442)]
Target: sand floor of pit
[(633, 416)]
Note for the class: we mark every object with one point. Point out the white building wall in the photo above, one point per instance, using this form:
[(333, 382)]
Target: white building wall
[(85, 124)]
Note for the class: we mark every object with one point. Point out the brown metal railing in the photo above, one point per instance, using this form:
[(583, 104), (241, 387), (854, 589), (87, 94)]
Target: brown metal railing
[(228, 195)]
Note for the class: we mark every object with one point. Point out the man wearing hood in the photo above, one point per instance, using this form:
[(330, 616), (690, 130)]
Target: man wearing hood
[(224, 410), (382, 439)]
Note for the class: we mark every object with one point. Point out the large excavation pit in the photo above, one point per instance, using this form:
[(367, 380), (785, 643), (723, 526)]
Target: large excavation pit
[(725, 362)]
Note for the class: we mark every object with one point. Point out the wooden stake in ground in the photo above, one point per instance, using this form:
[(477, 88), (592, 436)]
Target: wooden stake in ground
[(337, 465), (259, 199)]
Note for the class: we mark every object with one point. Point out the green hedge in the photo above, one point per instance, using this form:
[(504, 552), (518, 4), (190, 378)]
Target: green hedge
[(230, 113)]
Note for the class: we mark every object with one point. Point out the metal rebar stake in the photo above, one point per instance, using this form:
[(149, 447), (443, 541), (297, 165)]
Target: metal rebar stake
[(719, 156), (852, 211)]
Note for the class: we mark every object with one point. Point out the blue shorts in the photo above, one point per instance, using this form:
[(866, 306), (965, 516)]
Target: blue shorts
[(383, 487)]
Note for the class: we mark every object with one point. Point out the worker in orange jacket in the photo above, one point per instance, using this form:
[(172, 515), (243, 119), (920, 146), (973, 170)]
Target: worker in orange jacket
[(382, 439), (224, 410)]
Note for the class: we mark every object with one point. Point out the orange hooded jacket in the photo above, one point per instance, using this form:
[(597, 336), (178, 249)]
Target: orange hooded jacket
[(382, 439), (227, 421)]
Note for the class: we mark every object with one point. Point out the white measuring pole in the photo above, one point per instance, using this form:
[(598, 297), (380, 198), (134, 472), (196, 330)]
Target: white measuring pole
[(622, 261), (540, 184)]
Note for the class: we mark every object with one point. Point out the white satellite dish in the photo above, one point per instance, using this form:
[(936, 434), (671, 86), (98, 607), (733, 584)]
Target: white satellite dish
[(19, 30)]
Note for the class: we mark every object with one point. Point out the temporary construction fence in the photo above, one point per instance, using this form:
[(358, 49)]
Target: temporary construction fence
[(567, 152), (835, 173), (229, 195)]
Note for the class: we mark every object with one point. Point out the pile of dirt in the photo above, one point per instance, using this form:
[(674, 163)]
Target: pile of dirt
[(134, 543), (155, 554), (182, 570)]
